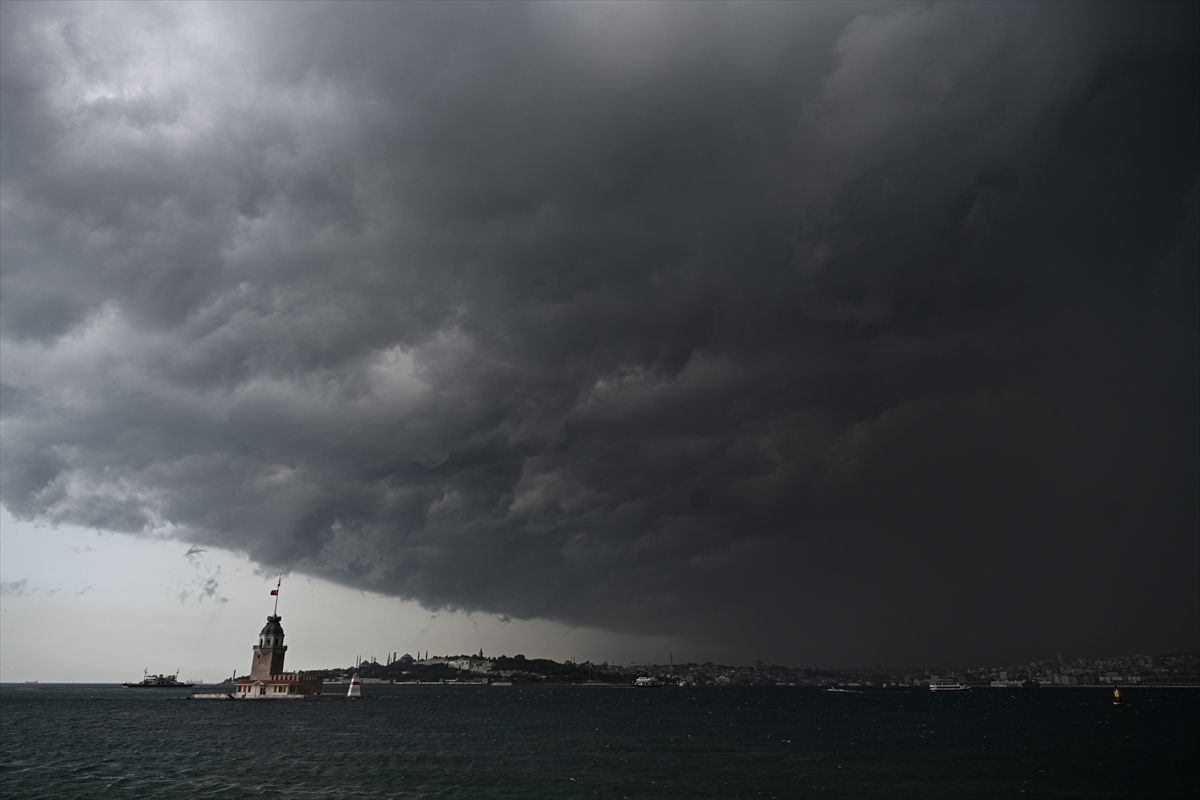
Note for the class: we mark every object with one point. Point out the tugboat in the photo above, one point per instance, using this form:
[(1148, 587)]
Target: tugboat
[(149, 681)]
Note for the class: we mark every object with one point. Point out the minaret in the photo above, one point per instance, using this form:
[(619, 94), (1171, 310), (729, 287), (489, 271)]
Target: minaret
[(268, 653)]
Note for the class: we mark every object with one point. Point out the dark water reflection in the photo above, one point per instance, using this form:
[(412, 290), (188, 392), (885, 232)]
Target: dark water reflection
[(565, 742)]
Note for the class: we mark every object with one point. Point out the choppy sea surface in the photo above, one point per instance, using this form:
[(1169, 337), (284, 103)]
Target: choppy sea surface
[(99, 741)]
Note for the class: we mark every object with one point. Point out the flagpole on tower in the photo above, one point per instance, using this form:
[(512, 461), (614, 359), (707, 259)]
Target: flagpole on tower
[(275, 592)]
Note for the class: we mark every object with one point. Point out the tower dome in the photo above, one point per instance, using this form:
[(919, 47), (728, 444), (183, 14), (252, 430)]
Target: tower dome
[(272, 627)]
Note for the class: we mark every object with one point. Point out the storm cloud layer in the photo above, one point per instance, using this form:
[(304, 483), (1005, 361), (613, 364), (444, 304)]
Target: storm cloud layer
[(818, 333)]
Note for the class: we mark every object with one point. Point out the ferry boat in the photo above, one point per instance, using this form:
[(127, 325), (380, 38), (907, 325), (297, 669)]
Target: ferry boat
[(646, 680), (947, 686), (149, 681)]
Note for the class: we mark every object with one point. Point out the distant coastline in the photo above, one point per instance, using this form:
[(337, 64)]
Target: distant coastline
[(1168, 671), (1172, 670)]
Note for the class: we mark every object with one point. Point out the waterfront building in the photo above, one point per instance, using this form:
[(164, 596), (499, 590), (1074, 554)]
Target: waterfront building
[(267, 679)]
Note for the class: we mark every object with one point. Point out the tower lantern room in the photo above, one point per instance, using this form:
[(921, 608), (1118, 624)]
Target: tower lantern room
[(269, 652)]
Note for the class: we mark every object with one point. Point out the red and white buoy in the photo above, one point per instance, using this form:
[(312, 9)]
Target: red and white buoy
[(355, 689)]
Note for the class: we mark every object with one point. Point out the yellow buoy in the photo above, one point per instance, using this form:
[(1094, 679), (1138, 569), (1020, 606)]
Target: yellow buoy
[(1116, 697)]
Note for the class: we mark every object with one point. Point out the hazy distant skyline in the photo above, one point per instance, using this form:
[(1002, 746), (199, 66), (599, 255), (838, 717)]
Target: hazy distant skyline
[(854, 333)]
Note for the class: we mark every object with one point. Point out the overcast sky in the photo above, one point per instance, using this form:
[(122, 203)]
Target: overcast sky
[(818, 333)]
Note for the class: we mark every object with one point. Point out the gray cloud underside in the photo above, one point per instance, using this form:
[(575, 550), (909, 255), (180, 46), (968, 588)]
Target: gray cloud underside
[(817, 332)]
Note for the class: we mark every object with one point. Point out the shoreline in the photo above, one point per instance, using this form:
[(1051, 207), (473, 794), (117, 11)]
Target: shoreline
[(873, 689)]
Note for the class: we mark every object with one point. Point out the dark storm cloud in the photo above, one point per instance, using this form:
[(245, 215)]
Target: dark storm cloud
[(822, 333)]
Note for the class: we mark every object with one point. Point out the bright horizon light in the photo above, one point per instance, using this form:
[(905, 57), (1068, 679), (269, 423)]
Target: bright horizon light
[(83, 606)]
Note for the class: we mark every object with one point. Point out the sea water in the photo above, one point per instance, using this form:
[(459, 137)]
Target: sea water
[(84, 741)]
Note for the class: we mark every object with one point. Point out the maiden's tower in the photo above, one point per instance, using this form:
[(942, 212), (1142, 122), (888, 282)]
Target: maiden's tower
[(267, 679)]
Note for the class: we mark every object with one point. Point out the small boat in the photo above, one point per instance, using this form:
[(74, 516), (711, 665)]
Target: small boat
[(947, 686), (149, 681), (645, 680)]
